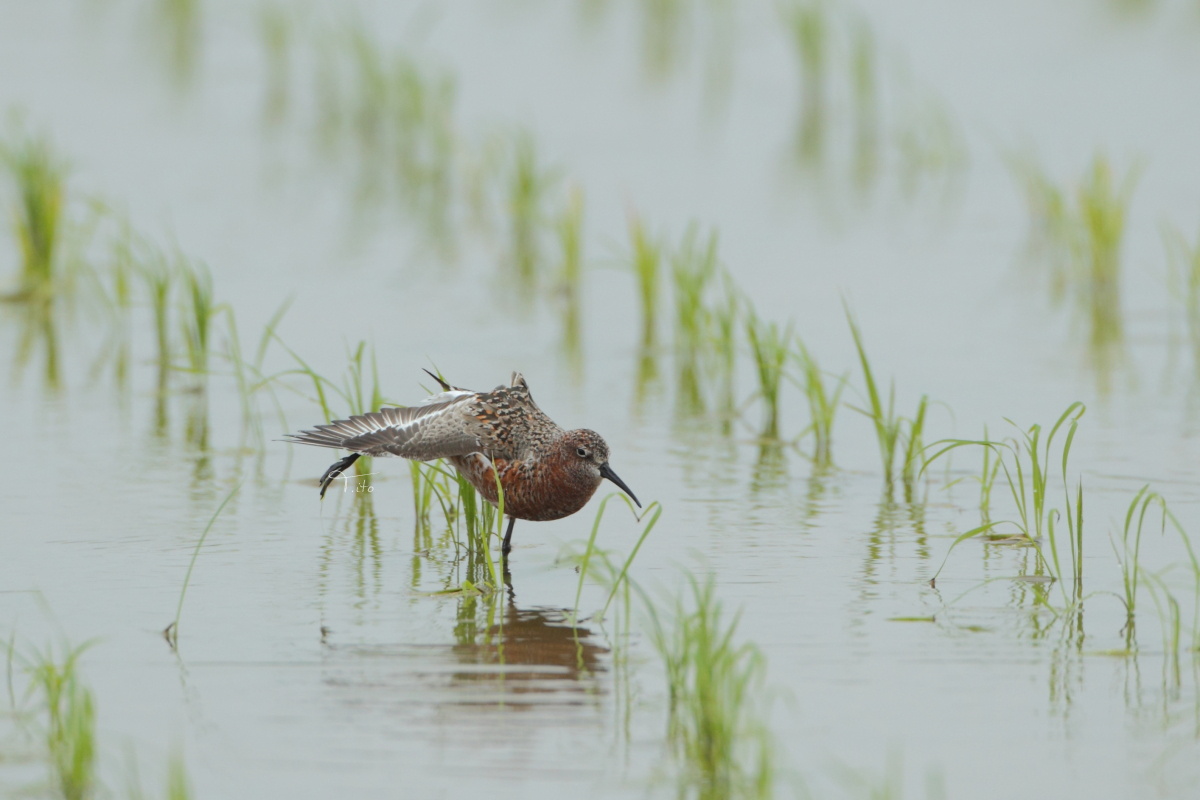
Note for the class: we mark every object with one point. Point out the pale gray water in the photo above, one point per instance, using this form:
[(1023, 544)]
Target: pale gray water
[(992, 699)]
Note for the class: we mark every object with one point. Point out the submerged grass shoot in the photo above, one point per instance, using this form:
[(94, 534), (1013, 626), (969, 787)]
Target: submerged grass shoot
[(276, 27), (1184, 283), (892, 431), (197, 316), (384, 114), (1103, 208), (822, 403), (39, 177), (528, 183), (694, 268), (157, 276), (70, 712), (808, 26), (987, 480), (769, 346), (716, 726), (614, 576), (1028, 461), (1133, 572), (887, 424), (171, 632), (569, 227), (1078, 232), (725, 316), (646, 259)]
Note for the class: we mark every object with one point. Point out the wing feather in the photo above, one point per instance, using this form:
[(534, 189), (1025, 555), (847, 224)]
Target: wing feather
[(440, 427)]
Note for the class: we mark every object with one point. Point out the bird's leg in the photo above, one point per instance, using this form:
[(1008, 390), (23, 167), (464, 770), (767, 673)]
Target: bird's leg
[(512, 595), (507, 546), (337, 469)]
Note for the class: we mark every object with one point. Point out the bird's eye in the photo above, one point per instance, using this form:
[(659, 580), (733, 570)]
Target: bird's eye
[(581, 452)]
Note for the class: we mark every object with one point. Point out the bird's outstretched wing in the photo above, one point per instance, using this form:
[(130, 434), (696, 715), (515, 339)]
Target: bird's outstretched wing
[(440, 427)]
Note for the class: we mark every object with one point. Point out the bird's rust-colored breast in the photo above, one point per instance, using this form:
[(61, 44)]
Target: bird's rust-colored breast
[(536, 490)]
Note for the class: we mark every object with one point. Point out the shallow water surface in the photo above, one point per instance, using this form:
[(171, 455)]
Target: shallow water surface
[(343, 649)]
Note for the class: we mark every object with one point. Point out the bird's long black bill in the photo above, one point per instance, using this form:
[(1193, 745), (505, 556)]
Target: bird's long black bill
[(606, 472)]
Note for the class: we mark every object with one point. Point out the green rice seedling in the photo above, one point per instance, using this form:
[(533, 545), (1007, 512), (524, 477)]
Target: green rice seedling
[(1184, 283), (822, 403), (179, 25), (434, 482), (769, 346), (178, 785), (646, 260), (171, 632), (1051, 228), (155, 270), (40, 179), (478, 515), (425, 138), (323, 387), (196, 432), (569, 227), (1129, 556), (527, 184), (612, 571), (357, 392), (1171, 621), (458, 500), (725, 315), (197, 316), (276, 28), (1103, 208), (929, 144), (328, 94), (423, 489), (39, 330), (662, 25), (887, 423), (369, 104), (362, 399), (1079, 234), (914, 449), (245, 379), (651, 514), (715, 688), (461, 501), (770, 471), (71, 722), (987, 480), (809, 29), (864, 85), (250, 377), (114, 287), (891, 430), (694, 267), (808, 26), (1027, 466), (390, 118), (366, 551)]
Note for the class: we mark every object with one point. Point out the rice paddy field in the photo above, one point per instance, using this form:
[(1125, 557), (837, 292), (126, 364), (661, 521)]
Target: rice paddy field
[(889, 314)]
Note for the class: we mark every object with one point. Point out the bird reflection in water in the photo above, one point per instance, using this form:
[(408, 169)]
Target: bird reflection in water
[(529, 652)]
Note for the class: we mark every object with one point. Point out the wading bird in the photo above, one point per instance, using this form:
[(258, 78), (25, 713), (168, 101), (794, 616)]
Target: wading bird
[(545, 472)]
